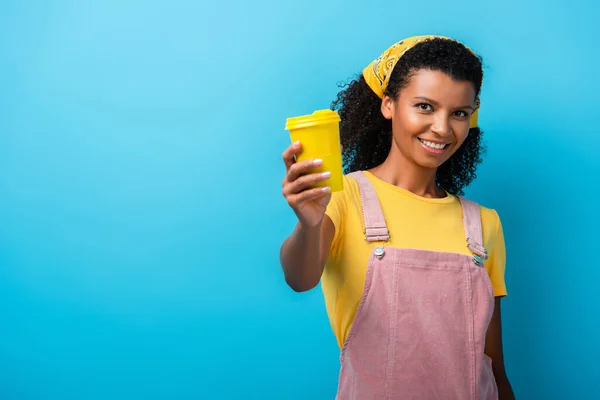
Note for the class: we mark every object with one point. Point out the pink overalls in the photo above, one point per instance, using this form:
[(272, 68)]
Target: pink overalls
[(419, 331)]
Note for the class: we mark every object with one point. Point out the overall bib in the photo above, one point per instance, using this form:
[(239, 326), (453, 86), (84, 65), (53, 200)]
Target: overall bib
[(419, 331)]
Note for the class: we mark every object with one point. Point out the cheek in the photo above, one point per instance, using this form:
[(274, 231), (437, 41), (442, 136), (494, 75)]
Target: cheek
[(410, 124), (461, 134)]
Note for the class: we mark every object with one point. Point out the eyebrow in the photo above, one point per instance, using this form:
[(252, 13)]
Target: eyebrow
[(435, 103)]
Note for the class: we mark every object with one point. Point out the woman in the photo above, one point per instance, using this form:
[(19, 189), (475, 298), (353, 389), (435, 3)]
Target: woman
[(411, 272)]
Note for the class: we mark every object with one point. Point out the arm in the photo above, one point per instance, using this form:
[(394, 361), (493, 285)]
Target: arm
[(304, 252), (493, 349)]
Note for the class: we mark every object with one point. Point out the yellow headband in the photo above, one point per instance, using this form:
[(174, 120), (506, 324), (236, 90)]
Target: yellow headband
[(377, 74)]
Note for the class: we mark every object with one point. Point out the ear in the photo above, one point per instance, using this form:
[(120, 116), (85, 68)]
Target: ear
[(387, 107)]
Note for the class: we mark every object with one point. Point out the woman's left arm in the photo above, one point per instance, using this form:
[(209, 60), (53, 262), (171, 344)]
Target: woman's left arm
[(493, 349)]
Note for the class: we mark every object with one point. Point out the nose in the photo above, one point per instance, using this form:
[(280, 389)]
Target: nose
[(441, 126)]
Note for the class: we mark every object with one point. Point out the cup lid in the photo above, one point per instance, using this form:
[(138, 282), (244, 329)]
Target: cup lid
[(316, 118)]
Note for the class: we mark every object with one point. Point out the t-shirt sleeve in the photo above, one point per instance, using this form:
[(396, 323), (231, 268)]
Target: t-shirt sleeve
[(336, 209), (496, 263)]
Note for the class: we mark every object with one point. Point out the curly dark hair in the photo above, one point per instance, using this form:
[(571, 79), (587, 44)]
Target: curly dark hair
[(366, 136)]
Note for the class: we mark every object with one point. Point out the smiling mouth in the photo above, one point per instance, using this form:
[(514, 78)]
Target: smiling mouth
[(435, 147)]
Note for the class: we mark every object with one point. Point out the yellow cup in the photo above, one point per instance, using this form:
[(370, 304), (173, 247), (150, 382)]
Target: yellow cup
[(319, 134)]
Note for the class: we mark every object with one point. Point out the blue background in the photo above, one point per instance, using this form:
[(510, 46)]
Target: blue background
[(140, 189)]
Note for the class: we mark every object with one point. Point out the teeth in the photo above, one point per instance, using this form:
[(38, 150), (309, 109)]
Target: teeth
[(433, 145)]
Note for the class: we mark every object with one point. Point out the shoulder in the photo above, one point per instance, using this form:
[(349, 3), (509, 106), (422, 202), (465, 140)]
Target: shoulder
[(493, 237), (347, 201), (340, 200), (491, 225), (490, 219), (349, 193), (342, 211), (350, 183)]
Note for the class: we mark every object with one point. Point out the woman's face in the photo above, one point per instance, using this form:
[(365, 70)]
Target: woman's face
[(430, 117)]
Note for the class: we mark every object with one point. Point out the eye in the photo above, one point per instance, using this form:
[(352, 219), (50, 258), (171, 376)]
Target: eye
[(461, 114), (424, 107)]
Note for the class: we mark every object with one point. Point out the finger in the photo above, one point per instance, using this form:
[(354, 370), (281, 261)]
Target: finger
[(301, 168), (306, 181), (297, 200), (289, 153)]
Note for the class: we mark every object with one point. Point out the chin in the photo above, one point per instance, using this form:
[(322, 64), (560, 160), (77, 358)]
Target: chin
[(433, 161), (430, 164)]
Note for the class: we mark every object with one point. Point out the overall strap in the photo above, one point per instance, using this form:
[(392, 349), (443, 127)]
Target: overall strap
[(473, 229), (374, 222)]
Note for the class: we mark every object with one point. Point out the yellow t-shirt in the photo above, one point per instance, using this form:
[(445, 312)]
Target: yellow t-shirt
[(414, 222)]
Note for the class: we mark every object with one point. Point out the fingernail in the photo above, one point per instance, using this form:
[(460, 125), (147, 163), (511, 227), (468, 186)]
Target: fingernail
[(297, 143), (326, 189), (318, 161), (326, 174)]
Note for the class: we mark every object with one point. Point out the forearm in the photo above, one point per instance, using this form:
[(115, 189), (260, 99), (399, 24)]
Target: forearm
[(300, 258), (505, 391)]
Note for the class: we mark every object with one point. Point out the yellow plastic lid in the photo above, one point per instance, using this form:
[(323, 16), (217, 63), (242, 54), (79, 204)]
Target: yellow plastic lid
[(316, 118)]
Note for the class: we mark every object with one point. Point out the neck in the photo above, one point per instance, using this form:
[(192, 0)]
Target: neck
[(399, 171)]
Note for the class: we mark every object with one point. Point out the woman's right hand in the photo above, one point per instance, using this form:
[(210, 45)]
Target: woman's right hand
[(308, 204)]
